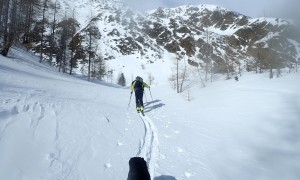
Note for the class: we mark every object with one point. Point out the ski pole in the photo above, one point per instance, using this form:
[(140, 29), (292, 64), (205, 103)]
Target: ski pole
[(129, 101), (151, 95), (145, 97)]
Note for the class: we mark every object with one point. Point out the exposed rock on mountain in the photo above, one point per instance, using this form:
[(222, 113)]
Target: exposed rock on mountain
[(203, 34)]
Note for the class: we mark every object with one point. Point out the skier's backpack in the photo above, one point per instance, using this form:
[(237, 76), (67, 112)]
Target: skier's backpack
[(138, 83)]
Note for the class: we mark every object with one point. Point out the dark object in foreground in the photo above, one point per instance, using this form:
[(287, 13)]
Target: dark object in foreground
[(138, 169)]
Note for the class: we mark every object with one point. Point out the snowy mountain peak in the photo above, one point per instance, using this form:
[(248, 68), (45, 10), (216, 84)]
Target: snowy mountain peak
[(201, 34)]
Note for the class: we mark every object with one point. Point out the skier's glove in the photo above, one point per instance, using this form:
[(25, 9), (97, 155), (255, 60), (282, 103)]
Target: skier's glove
[(131, 92)]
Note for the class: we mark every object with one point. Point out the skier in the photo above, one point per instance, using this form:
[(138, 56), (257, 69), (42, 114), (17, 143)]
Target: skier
[(138, 86)]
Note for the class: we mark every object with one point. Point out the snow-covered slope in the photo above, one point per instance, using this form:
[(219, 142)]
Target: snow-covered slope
[(54, 126)]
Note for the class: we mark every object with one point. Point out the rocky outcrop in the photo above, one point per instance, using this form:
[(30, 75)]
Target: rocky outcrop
[(202, 33)]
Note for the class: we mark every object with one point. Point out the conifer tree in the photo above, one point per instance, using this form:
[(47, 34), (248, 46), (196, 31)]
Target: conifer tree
[(67, 28), (93, 34), (77, 52), (122, 80), (52, 34), (7, 43)]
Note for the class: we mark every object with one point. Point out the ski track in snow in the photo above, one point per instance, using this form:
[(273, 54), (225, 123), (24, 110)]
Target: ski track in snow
[(149, 147), (13, 111)]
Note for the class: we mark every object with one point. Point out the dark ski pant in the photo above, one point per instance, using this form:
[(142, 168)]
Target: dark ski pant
[(139, 98)]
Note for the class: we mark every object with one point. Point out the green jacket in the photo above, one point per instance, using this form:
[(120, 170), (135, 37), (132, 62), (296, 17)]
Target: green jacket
[(143, 85)]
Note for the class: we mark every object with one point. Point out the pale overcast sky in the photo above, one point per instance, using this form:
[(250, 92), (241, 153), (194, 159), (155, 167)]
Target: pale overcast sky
[(252, 8)]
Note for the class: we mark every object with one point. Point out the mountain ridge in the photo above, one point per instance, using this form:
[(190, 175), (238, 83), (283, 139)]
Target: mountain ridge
[(209, 36)]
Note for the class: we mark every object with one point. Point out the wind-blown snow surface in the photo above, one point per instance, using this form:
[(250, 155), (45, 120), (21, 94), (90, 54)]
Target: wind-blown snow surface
[(53, 126)]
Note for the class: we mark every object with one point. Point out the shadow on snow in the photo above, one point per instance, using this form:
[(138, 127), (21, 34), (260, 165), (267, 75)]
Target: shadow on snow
[(149, 106), (163, 177)]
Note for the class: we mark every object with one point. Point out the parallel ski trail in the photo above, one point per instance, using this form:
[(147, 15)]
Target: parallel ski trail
[(149, 146)]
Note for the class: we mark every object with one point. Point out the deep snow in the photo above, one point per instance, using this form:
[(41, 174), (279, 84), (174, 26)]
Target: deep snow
[(55, 126)]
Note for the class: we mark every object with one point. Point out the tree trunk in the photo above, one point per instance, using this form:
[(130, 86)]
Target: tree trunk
[(10, 30), (227, 67), (42, 36), (90, 53), (52, 35), (183, 77), (72, 56), (198, 69), (271, 73), (5, 33), (177, 74), (1, 15), (206, 71)]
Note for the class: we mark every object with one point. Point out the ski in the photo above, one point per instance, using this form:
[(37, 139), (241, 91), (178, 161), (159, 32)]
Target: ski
[(142, 112)]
